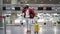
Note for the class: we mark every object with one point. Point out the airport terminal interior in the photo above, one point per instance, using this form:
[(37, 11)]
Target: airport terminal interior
[(47, 16)]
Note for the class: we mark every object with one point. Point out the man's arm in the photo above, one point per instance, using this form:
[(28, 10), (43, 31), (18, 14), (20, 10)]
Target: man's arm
[(33, 12), (23, 11)]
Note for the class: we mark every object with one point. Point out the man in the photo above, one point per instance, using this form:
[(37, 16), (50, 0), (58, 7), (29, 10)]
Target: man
[(29, 14)]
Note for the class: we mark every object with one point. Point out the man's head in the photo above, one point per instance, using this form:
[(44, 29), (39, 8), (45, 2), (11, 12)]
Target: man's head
[(26, 6)]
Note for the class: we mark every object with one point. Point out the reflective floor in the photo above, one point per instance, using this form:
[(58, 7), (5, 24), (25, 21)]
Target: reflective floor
[(1, 31), (43, 29)]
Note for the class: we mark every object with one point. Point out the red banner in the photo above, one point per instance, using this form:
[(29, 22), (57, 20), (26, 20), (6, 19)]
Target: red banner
[(2, 16)]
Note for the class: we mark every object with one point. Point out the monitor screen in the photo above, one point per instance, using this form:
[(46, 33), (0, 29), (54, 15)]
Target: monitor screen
[(4, 8), (48, 8), (40, 8), (17, 8)]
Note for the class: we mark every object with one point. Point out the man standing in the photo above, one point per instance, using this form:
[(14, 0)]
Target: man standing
[(29, 14)]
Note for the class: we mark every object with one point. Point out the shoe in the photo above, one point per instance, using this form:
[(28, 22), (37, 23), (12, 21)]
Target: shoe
[(28, 31)]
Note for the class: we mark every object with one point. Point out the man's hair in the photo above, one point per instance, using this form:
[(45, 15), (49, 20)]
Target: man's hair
[(27, 6)]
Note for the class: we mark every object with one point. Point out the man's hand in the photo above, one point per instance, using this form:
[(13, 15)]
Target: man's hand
[(32, 16)]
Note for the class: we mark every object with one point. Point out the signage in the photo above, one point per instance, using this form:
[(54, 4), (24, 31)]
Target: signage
[(2, 16)]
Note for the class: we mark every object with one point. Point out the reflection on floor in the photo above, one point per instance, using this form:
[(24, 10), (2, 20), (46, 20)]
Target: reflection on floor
[(1, 31), (11, 29)]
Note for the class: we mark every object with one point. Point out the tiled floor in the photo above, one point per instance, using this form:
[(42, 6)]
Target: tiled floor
[(42, 29)]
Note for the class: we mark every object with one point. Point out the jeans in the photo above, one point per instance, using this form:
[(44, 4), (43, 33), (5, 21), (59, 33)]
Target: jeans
[(28, 24)]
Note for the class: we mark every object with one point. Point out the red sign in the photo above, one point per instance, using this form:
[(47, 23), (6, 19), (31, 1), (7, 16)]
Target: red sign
[(2, 16)]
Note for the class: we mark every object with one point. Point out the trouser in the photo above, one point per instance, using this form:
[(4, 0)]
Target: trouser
[(35, 32), (28, 23), (31, 20)]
